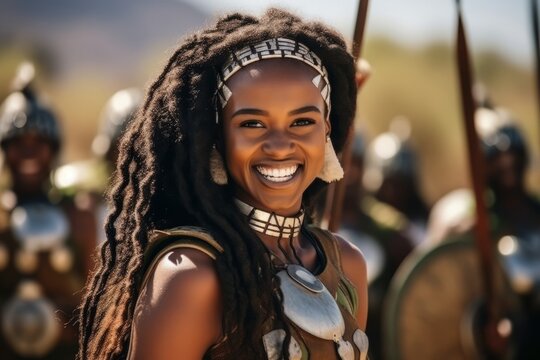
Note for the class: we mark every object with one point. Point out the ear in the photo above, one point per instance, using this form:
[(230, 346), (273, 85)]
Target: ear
[(327, 126)]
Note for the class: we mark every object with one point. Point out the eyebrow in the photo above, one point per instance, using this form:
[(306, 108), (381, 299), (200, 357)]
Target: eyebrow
[(304, 109), (249, 111)]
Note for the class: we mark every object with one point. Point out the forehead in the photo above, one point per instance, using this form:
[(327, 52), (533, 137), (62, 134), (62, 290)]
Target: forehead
[(270, 70), (274, 83)]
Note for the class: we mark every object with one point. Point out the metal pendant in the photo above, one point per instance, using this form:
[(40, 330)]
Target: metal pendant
[(29, 323), (345, 350), (309, 305), (273, 344), (39, 226), (361, 341)]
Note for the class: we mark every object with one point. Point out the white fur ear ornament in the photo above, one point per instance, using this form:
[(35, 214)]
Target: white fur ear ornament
[(332, 170), (217, 168)]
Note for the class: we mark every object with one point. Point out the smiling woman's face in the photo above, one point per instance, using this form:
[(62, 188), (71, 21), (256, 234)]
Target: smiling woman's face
[(274, 128)]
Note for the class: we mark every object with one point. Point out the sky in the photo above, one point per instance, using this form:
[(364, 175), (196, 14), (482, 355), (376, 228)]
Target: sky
[(501, 25)]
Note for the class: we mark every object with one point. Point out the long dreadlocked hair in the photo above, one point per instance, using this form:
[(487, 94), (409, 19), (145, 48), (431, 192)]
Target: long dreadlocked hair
[(173, 134)]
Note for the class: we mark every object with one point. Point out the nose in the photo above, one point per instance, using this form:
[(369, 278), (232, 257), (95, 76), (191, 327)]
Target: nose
[(278, 145), (29, 151)]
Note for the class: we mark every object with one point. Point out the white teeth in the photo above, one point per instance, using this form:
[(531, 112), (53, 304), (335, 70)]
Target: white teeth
[(278, 175)]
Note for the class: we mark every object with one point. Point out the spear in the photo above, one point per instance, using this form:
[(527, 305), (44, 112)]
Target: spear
[(536, 38), (336, 191), (476, 167)]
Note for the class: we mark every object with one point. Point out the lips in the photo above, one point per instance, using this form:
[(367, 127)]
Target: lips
[(277, 174)]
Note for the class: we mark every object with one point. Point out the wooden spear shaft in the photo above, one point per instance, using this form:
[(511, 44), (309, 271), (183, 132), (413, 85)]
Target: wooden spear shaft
[(483, 241), (536, 38), (336, 191)]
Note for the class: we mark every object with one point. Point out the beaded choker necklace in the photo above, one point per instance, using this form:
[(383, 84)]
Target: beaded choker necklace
[(270, 223)]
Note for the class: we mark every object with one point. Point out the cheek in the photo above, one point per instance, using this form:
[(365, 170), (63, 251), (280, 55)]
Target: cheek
[(46, 156), (316, 149), (319, 153), (13, 157), (237, 155)]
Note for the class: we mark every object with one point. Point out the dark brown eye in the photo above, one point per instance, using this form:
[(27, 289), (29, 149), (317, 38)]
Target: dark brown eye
[(251, 124), (303, 122)]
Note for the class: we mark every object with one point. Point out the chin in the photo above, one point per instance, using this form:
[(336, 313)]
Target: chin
[(279, 204)]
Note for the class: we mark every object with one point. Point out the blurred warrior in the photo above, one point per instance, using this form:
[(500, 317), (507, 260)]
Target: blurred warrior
[(41, 264), (515, 220), (391, 177), (88, 178), (373, 227)]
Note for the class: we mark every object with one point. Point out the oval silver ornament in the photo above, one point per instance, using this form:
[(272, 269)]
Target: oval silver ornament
[(361, 341), (317, 313), (345, 350)]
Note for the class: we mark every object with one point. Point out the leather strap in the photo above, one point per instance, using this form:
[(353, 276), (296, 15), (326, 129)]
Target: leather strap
[(164, 241), (333, 276)]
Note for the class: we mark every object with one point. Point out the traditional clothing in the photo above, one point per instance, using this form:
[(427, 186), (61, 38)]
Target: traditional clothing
[(351, 344)]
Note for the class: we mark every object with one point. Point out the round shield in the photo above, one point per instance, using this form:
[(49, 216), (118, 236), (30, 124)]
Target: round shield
[(29, 323), (430, 303)]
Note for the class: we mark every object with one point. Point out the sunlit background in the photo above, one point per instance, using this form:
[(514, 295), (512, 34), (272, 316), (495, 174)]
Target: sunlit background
[(86, 50)]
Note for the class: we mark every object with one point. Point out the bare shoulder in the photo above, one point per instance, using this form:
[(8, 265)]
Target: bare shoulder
[(355, 269), (179, 308), (182, 274), (351, 256)]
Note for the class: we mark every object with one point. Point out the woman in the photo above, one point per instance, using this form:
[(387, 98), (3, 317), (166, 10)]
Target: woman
[(231, 138)]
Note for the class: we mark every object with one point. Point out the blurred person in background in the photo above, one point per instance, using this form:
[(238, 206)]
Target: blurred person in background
[(43, 263), (87, 180), (375, 228), (514, 220), (115, 117), (506, 158), (391, 177)]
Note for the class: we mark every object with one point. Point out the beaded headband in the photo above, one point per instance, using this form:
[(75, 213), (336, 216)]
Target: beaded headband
[(273, 49)]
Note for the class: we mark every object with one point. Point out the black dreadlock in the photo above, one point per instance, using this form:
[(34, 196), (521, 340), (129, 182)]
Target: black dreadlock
[(173, 133)]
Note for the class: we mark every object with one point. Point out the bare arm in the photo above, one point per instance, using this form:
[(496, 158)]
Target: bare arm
[(179, 310), (354, 266)]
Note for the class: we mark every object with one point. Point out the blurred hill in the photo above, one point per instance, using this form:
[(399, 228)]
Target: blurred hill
[(422, 84), (85, 51), (104, 36)]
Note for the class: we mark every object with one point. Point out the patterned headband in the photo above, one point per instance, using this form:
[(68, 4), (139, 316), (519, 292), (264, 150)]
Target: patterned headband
[(273, 49)]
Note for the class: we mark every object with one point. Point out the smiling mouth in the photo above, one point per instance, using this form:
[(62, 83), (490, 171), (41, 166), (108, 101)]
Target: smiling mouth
[(29, 167), (277, 174)]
